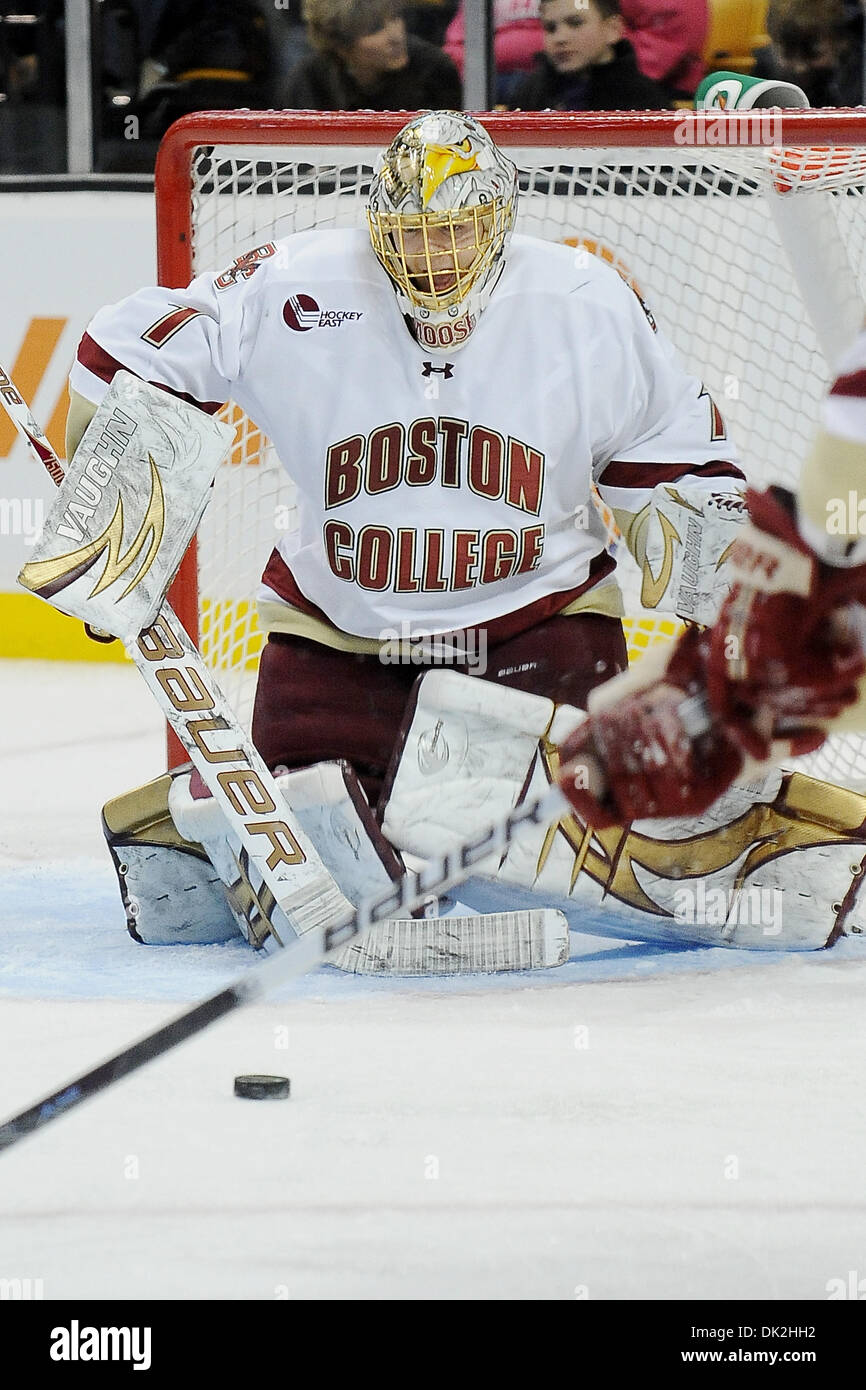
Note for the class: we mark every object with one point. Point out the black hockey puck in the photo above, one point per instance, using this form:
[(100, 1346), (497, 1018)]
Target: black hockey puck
[(262, 1087)]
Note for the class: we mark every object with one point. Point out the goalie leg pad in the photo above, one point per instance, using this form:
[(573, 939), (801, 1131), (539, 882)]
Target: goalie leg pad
[(180, 880), (777, 865), (331, 809), (763, 870), (171, 892), (465, 751)]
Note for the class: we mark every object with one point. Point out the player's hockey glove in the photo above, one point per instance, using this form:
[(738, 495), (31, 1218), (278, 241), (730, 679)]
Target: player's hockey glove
[(784, 654), (783, 658), (656, 752)]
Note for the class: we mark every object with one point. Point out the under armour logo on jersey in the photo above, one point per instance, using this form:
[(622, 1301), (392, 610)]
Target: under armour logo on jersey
[(447, 371)]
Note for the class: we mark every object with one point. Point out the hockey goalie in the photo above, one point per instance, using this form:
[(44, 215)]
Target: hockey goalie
[(448, 437)]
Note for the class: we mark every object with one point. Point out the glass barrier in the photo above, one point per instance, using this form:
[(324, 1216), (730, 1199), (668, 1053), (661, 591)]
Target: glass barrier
[(33, 90), (89, 87)]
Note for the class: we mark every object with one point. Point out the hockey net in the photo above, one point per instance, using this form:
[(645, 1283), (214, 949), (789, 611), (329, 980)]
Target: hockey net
[(718, 238)]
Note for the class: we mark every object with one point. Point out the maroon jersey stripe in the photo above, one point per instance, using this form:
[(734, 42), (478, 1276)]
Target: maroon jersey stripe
[(168, 325), (280, 579), (620, 473), (97, 360), (103, 365)]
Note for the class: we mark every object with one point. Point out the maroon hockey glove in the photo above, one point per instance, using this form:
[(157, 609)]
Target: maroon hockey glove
[(654, 753), (783, 655), (782, 658)]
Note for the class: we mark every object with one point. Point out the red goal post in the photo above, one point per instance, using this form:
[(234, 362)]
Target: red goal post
[(746, 234)]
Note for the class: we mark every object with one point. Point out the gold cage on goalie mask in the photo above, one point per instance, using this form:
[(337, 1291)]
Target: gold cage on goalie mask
[(445, 239)]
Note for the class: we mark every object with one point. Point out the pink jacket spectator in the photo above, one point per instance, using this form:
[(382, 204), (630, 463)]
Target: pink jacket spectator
[(517, 35), (668, 37)]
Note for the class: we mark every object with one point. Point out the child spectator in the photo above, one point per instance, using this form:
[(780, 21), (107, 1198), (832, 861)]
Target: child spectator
[(365, 60), (587, 64)]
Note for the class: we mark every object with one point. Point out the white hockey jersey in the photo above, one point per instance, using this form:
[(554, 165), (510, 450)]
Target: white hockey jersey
[(434, 493)]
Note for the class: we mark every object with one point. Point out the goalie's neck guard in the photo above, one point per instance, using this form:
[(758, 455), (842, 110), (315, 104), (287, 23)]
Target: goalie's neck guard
[(441, 211)]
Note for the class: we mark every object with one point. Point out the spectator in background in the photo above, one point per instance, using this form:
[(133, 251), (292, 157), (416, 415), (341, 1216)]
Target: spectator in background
[(818, 44), (587, 64), (203, 55), (364, 60), (668, 38), (517, 38)]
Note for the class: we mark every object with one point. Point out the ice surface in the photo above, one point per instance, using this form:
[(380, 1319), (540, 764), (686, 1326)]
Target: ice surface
[(641, 1123)]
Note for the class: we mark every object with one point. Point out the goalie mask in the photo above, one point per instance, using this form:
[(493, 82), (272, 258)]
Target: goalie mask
[(441, 211)]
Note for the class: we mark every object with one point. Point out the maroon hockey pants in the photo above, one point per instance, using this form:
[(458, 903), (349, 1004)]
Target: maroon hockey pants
[(315, 704)]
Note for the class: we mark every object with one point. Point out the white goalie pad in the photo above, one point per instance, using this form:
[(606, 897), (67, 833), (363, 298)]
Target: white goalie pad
[(466, 752), (170, 891), (331, 810), (184, 878), (776, 865), (130, 503), (773, 866), (690, 529), (165, 844)]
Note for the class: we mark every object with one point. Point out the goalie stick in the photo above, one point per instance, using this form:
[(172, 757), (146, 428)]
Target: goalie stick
[(295, 959), (290, 890)]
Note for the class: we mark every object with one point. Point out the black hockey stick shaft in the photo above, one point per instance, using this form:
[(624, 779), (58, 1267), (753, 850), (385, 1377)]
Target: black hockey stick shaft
[(119, 1066), (292, 960)]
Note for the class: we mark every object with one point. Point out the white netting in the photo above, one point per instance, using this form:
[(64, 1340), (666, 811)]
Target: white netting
[(698, 233)]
